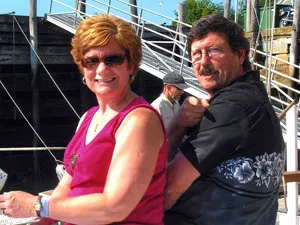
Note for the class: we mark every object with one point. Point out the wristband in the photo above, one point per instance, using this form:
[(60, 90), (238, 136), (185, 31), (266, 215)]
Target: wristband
[(45, 206)]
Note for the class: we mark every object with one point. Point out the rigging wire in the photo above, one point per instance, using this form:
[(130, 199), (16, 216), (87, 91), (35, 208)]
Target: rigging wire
[(46, 69), (14, 66), (12, 98), (16, 105)]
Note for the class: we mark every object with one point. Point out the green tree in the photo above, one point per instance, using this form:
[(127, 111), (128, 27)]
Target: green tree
[(241, 13), (262, 2), (196, 9)]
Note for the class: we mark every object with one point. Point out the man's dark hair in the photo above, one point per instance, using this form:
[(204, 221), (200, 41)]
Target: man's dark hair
[(230, 30)]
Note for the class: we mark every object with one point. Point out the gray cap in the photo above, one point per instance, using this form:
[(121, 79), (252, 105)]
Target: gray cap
[(175, 79)]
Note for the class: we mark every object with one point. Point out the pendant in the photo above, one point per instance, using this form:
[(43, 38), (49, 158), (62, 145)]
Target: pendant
[(96, 127)]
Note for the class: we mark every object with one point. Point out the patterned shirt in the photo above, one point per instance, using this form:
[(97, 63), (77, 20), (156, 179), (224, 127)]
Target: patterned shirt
[(238, 149)]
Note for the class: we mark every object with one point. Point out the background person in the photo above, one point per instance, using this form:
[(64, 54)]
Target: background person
[(229, 169), (115, 162), (167, 103)]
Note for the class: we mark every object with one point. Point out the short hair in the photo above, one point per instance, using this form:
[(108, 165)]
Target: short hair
[(98, 30), (230, 30)]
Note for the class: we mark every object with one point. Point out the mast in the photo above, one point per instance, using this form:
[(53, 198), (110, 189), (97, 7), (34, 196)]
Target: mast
[(34, 84), (236, 11), (226, 8), (294, 49), (34, 69), (182, 18), (248, 15), (254, 30), (133, 12)]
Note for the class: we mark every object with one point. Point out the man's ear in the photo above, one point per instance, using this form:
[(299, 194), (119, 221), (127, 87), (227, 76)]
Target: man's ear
[(242, 55), (168, 86)]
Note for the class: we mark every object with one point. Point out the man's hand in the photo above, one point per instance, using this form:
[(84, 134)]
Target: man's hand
[(189, 114), (191, 111)]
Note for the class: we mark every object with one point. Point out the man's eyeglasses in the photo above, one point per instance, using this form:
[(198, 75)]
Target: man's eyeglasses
[(110, 61), (211, 52)]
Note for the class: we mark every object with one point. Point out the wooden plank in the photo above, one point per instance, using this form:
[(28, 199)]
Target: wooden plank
[(291, 176)]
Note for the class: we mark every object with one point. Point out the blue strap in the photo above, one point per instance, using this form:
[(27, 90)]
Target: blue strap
[(45, 206)]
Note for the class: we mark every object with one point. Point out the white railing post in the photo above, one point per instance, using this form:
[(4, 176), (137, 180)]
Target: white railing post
[(292, 165)]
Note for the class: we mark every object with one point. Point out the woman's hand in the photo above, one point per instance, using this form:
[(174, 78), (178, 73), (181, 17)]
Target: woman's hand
[(18, 204)]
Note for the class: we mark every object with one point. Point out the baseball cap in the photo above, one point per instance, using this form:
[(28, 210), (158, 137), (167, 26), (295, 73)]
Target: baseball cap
[(175, 79)]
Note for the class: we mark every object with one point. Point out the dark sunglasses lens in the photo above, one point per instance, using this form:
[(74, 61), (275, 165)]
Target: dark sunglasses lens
[(90, 62), (108, 60), (114, 60)]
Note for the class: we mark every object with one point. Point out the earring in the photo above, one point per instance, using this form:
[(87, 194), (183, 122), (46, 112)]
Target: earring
[(83, 81)]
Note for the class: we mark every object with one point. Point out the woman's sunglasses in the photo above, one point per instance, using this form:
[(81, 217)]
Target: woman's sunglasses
[(110, 61)]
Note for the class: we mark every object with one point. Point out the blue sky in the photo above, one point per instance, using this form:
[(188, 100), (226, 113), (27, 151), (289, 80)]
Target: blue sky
[(21, 7)]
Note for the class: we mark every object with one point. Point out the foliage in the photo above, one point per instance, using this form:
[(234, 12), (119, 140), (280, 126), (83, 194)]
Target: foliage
[(241, 14), (196, 9), (262, 2)]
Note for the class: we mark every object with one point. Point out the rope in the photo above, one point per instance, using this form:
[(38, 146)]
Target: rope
[(46, 69), (270, 73), (16, 105), (258, 33), (14, 102)]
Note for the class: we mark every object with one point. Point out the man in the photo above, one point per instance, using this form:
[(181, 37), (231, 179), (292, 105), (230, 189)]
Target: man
[(167, 103), (229, 168)]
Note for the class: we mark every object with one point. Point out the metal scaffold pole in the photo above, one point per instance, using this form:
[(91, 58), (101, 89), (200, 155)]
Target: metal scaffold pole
[(292, 165)]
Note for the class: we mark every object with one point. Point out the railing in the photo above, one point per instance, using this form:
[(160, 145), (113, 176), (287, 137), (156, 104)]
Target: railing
[(32, 149), (164, 45)]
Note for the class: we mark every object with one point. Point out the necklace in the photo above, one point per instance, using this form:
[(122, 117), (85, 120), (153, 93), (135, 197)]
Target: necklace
[(96, 127), (98, 123), (109, 115)]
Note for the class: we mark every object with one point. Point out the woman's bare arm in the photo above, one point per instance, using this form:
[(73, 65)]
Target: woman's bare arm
[(138, 141)]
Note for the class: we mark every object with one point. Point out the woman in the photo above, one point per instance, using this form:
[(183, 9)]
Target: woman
[(115, 162)]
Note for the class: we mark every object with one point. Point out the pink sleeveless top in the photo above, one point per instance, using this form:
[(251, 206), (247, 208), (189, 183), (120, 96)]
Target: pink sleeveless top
[(88, 165)]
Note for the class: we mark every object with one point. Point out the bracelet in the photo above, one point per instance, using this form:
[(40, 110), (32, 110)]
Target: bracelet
[(45, 206)]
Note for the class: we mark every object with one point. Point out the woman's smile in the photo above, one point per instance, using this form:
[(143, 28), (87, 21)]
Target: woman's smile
[(105, 81)]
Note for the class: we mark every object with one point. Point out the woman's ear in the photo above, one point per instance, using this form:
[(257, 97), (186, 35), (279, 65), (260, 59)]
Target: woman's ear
[(130, 68)]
